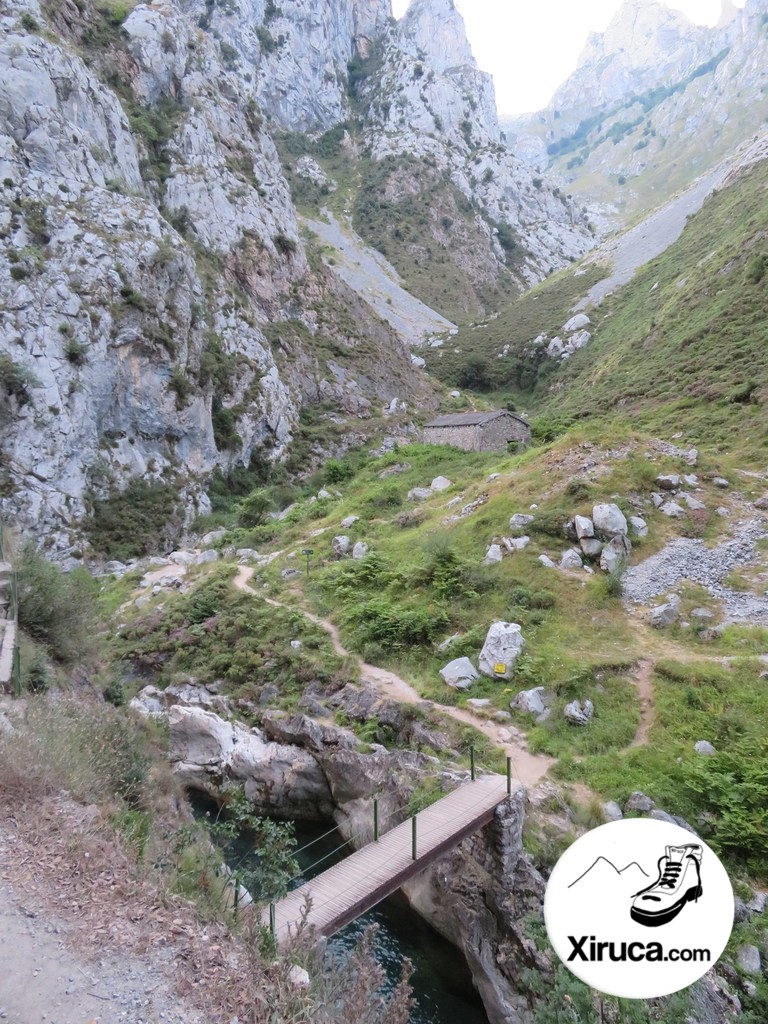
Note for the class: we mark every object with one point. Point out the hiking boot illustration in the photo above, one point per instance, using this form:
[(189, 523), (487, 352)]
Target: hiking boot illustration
[(679, 882)]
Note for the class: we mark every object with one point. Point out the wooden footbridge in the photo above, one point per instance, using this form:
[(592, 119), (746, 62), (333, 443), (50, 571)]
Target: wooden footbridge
[(355, 885)]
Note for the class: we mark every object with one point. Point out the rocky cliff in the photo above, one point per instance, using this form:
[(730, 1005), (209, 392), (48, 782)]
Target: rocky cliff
[(163, 313), (654, 102)]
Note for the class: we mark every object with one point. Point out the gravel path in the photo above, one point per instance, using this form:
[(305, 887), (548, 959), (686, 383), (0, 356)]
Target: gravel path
[(44, 976), (375, 280), (687, 559), (647, 240)]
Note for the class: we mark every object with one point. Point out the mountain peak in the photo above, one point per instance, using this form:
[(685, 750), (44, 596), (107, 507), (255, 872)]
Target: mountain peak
[(437, 29)]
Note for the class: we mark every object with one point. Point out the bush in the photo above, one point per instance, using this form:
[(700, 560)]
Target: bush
[(284, 245), (16, 380), (474, 375), (253, 510), (55, 608), (29, 23), (134, 522), (756, 269), (385, 625)]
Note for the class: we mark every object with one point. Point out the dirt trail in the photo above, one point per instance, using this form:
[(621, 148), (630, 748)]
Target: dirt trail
[(527, 768), (643, 681)]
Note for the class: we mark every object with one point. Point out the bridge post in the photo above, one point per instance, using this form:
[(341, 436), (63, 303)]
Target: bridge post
[(509, 776), (272, 920), (413, 836), (472, 761), (375, 821)]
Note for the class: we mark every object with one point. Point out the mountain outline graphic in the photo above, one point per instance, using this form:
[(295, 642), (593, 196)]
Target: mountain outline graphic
[(619, 871)]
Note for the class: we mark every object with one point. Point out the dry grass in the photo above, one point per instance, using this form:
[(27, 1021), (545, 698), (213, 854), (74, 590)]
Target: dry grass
[(98, 844)]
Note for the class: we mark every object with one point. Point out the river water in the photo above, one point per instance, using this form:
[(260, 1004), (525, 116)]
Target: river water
[(441, 980)]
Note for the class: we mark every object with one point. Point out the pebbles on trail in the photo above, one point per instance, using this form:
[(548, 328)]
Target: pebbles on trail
[(688, 559)]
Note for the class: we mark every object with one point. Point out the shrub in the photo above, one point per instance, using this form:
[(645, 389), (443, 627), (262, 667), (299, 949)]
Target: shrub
[(756, 269), (181, 386), (337, 472), (474, 374), (133, 522), (284, 245), (253, 510), (57, 609), (75, 352), (29, 22), (16, 380), (385, 625)]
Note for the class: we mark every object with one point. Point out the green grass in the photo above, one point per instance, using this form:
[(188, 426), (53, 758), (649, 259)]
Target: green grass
[(681, 347)]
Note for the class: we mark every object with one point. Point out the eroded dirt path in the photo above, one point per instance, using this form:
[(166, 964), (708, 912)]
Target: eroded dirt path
[(528, 768), (642, 678)]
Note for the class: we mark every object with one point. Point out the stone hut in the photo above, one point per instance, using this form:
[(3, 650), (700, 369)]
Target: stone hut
[(478, 431)]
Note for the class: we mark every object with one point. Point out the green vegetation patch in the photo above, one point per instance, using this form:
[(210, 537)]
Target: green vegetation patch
[(219, 633), (134, 522)]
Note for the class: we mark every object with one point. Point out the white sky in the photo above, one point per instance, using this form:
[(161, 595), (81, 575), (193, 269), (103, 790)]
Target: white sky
[(531, 46)]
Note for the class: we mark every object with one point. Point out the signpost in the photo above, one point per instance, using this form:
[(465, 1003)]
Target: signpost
[(308, 552)]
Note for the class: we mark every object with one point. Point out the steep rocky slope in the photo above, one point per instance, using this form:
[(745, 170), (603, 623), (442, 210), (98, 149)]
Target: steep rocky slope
[(163, 317), (655, 102)]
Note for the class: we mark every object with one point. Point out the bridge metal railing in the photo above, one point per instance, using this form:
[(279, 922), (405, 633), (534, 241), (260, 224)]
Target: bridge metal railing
[(364, 834)]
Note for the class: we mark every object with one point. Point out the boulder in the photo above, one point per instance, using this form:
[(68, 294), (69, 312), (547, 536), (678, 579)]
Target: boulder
[(115, 568), (758, 903), (419, 494), (748, 959), (705, 748), (579, 714), (341, 545), (584, 527), (591, 547), (142, 601), (692, 502), (478, 703), (612, 811), (672, 509), (692, 456), (666, 614), (418, 362), (669, 482), (532, 702), (399, 467), (609, 521), (207, 556), (296, 645), (513, 544), (212, 538), (519, 521), (247, 555), (288, 574), (323, 495), (577, 323), (460, 674), (182, 557), (502, 647), (349, 521), (440, 483), (360, 550), (615, 554), (149, 702), (691, 479), (720, 481), (571, 559), (657, 500), (302, 731), (639, 802), (493, 555), (638, 526), (547, 562), (762, 503)]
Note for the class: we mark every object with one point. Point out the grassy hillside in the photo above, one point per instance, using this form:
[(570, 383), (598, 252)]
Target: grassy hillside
[(682, 347)]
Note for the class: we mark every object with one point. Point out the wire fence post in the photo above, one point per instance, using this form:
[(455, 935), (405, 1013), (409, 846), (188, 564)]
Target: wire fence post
[(237, 893), (413, 836), (375, 821), (16, 672), (472, 762), (509, 776), (272, 928)]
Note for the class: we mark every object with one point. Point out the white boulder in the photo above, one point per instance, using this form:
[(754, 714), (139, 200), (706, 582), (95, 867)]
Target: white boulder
[(579, 714), (360, 550), (571, 559), (584, 527), (440, 483), (615, 554), (532, 702), (638, 526), (609, 520), (705, 748), (460, 673), (672, 509), (341, 545), (519, 521), (420, 494), (493, 555), (349, 521), (666, 614), (503, 646), (576, 323)]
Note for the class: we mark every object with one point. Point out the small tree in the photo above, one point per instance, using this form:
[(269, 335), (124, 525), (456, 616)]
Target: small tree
[(253, 510)]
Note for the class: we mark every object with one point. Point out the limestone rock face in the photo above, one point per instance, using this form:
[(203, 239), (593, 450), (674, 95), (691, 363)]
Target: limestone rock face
[(280, 780)]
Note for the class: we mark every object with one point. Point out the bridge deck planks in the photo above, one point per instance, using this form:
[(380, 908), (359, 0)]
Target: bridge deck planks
[(366, 877)]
